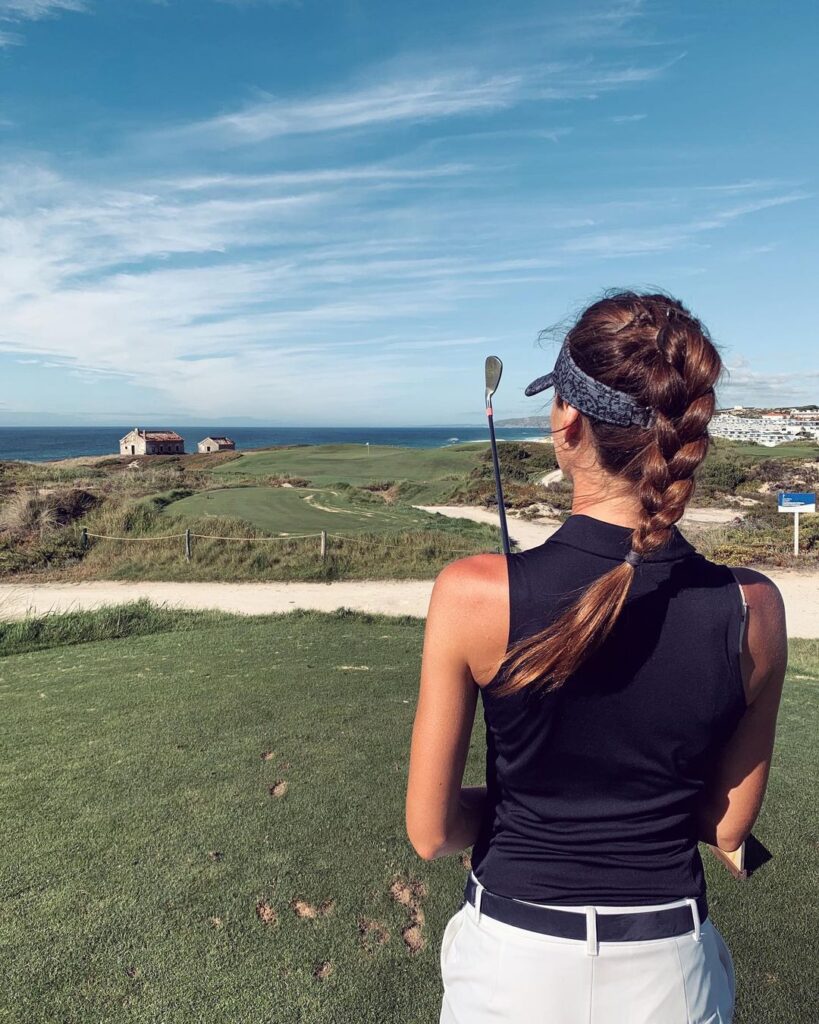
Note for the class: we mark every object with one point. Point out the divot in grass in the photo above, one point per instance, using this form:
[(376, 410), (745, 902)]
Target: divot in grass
[(409, 894), (304, 909), (265, 913), (372, 934), (413, 939), (307, 910), (278, 788), (323, 970)]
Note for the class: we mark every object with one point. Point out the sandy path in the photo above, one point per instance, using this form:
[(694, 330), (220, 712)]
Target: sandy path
[(390, 597), (529, 534), (393, 597), (526, 534)]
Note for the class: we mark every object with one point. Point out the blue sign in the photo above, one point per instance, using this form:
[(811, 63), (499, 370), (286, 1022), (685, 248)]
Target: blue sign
[(797, 501)]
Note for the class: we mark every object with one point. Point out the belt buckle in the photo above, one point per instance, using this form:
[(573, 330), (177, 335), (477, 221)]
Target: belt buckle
[(695, 914), (592, 945)]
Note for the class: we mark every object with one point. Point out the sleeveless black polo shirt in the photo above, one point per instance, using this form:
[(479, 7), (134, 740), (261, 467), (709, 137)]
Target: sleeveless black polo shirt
[(592, 788)]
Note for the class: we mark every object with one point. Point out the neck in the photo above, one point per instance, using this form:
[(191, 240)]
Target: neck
[(601, 497)]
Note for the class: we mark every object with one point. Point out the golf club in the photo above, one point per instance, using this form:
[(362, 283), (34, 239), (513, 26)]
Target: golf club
[(493, 371)]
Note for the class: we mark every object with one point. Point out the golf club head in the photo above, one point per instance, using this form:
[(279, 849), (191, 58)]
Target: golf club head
[(493, 371)]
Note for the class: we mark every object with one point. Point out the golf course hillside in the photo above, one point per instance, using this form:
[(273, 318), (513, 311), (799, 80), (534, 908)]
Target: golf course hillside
[(351, 511), (362, 464), (204, 821), (294, 510)]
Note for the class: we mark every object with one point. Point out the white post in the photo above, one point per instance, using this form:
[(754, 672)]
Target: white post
[(796, 533)]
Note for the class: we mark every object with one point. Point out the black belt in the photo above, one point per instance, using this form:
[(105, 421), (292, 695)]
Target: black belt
[(629, 927)]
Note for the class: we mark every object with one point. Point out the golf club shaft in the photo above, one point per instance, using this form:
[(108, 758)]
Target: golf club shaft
[(498, 485)]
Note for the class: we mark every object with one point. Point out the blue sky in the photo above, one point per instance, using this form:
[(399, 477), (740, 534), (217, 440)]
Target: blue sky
[(331, 212)]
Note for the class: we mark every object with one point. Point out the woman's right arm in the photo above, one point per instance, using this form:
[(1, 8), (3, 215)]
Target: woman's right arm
[(731, 804)]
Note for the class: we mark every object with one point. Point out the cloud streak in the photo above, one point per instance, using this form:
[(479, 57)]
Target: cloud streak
[(411, 99), (228, 286), (34, 10), (236, 268)]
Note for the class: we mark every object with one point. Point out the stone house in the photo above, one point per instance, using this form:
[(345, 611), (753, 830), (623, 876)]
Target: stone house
[(216, 444), (152, 442)]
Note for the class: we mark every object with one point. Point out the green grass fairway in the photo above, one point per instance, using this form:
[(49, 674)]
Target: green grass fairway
[(299, 510), (143, 847), (786, 450), (328, 463)]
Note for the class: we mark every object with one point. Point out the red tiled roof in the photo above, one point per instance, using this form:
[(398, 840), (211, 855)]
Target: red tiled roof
[(161, 435)]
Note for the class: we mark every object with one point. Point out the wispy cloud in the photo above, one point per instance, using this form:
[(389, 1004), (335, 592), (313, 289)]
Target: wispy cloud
[(674, 221), (767, 388), (328, 176), (33, 10), (388, 103), (231, 286), (413, 98), (255, 255)]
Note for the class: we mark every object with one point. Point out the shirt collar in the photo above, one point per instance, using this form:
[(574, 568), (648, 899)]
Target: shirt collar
[(614, 541)]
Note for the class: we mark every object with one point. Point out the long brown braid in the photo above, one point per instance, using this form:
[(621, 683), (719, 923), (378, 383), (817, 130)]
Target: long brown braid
[(654, 349)]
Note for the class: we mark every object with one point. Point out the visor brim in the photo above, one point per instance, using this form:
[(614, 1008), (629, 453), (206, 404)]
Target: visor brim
[(540, 384)]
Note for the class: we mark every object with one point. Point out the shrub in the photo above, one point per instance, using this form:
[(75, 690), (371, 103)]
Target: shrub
[(721, 474), (28, 514)]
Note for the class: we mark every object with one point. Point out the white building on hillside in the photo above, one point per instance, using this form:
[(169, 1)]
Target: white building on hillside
[(216, 444), (151, 442)]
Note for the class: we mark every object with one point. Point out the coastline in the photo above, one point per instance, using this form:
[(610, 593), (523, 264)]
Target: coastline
[(39, 445)]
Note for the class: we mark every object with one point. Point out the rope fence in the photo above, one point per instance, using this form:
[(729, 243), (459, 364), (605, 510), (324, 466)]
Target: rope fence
[(189, 536)]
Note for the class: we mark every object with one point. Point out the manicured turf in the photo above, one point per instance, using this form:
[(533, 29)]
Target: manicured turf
[(299, 510), (141, 835), (786, 450), (331, 463)]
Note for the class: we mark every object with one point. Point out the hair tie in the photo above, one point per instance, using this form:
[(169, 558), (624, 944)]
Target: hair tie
[(633, 557)]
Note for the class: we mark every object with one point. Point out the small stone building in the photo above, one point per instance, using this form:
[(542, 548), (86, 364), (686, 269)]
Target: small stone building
[(216, 444), (152, 442)]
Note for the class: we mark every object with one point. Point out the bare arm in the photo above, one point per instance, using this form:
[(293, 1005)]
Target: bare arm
[(734, 797), (441, 816)]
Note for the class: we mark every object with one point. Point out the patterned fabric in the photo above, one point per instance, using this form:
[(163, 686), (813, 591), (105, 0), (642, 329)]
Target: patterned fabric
[(591, 396)]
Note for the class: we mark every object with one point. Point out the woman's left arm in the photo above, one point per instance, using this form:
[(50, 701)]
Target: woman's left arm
[(442, 817)]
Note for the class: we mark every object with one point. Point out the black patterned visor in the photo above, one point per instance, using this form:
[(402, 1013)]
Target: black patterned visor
[(591, 396)]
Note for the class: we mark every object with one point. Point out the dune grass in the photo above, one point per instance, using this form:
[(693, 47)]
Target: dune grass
[(153, 861)]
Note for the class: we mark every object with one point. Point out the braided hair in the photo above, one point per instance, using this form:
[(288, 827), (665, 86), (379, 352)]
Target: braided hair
[(651, 347)]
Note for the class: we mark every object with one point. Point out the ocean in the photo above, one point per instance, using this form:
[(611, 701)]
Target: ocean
[(40, 444)]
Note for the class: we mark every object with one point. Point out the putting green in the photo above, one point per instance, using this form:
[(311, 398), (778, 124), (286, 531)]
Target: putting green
[(297, 510)]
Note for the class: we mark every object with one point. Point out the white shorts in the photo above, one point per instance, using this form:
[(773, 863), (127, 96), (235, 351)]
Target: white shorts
[(496, 972)]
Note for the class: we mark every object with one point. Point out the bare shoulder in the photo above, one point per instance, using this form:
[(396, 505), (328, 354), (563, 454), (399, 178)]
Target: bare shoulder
[(470, 578), (765, 642), (761, 593), (476, 591)]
